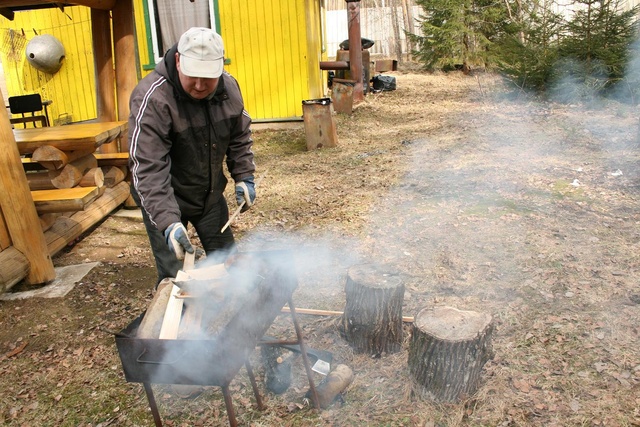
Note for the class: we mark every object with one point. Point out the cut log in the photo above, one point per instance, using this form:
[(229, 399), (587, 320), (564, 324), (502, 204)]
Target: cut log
[(53, 158), (94, 177), (66, 229), (152, 321), (334, 384), (372, 320), (64, 200), (70, 175), (47, 220), (112, 175), (39, 181), (447, 351), (15, 267)]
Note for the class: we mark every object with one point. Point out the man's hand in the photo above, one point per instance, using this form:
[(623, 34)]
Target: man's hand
[(246, 192), (178, 240)]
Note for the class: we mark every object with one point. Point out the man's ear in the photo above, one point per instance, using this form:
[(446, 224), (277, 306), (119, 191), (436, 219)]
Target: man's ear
[(177, 60)]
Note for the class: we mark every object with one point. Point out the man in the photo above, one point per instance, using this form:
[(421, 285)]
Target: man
[(187, 117)]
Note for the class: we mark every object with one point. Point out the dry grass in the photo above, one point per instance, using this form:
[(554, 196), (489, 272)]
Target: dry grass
[(471, 197)]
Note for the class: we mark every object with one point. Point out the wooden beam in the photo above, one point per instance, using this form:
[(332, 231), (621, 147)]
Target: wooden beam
[(7, 13), (19, 211), (125, 58), (25, 4), (105, 81)]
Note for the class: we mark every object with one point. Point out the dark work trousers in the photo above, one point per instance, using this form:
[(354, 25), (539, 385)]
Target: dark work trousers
[(207, 225)]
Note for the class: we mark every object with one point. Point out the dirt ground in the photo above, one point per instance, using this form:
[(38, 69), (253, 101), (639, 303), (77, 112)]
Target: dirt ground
[(478, 198)]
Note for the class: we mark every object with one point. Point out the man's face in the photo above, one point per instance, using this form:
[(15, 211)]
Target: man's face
[(196, 87)]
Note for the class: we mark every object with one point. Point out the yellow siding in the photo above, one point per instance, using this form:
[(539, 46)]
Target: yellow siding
[(72, 89), (274, 48), (141, 37)]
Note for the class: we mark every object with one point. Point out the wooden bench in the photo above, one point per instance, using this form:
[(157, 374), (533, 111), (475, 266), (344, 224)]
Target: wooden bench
[(64, 200), (112, 159)]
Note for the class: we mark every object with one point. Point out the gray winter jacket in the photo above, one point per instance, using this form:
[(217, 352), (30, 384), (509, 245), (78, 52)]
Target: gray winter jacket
[(177, 144)]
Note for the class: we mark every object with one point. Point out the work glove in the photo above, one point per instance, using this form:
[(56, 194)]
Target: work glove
[(246, 192), (178, 240)]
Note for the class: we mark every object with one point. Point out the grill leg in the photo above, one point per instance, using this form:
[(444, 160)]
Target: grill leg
[(229, 404), (152, 404), (254, 385), (305, 358)]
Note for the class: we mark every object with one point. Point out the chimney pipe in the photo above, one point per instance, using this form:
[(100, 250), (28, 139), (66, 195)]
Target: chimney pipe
[(355, 48)]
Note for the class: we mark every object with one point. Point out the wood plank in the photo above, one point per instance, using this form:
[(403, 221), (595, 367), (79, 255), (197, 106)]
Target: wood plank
[(64, 200), (112, 159), (95, 4), (80, 136), (172, 315)]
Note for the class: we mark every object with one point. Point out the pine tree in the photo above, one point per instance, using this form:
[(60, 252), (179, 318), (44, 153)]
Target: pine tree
[(457, 32), (527, 55), (595, 52)]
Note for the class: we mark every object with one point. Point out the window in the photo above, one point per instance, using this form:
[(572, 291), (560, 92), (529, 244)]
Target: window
[(168, 19)]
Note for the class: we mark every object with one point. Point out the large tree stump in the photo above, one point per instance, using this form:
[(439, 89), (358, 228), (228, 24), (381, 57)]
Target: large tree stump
[(448, 349), (372, 319)]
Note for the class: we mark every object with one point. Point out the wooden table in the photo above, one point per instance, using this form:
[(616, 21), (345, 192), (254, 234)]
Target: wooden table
[(79, 136)]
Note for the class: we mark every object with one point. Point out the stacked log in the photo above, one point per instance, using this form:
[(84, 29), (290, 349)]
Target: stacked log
[(70, 169)]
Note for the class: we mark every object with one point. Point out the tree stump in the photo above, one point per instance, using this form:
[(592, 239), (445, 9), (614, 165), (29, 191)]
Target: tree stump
[(372, 319), (447, 351)]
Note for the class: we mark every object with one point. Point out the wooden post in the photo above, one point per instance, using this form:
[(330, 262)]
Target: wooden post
[(105, 82), (372, 320), (355, 49), (125, 58), (18, 209), (448, 349)]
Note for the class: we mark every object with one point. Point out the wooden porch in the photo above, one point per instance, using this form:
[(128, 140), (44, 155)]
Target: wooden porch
[(37, 224)]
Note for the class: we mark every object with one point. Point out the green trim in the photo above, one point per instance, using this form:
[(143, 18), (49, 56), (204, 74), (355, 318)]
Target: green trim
[(147, 25), (216, 15)]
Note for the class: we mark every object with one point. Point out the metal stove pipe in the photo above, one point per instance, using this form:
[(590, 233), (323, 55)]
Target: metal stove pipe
[(355, 48)]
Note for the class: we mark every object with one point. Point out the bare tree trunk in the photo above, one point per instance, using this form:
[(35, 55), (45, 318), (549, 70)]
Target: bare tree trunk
[(396, 29), (408, 25)]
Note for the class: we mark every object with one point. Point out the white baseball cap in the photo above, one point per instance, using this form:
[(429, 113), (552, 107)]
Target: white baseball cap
[(201, 53)]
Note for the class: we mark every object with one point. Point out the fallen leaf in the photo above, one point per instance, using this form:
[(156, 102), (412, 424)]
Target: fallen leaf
[(16, 350)]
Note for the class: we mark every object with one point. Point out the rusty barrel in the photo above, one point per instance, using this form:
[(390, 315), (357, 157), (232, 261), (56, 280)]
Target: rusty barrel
[(319, 126)]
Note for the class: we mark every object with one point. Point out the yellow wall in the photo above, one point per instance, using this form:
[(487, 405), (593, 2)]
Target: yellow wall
[(72, 88), (273, 47)]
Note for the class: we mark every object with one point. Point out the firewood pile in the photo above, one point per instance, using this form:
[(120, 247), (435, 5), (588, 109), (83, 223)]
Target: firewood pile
[(67, 181)]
